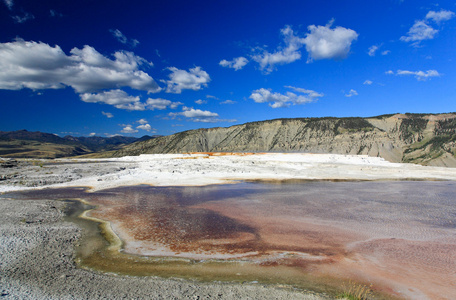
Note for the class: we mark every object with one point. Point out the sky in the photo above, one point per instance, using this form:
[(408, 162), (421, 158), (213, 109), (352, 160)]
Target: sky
[(134, 68)]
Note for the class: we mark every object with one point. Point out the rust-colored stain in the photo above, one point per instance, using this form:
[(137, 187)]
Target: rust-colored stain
[(399, 236)]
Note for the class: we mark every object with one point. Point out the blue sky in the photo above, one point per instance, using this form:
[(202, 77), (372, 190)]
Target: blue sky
[(158, 67)]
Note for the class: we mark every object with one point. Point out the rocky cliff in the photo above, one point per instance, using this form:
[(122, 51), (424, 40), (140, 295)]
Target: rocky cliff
[(428, 139)]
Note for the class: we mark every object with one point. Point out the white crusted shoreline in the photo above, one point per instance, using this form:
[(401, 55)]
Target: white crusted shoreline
[(36, 256), (204, 169)]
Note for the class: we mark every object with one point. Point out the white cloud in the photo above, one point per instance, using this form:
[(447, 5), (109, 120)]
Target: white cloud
[(128, 129), (180, 80), (421, 30), (213, 120), (107, 114), (277, 100), (211, 97), (37, 65), (312, 94), (289, 54), (145, 127), (122, 100), (54, 13), (122, 38), (117, 98), (24, 18), (368, 82), (351, 93), (418, 32), (198, 115), (228, 102), (92, 134), (190, 112), (386, 52), (161, 104), (372, 50), (325, 43), (9, 4), (389, 72), (237, 63), (439, 16), (419, 75), (142, 121), (199, 101)]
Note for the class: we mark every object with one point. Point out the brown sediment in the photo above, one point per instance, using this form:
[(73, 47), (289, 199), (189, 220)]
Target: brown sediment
[(398, 236)]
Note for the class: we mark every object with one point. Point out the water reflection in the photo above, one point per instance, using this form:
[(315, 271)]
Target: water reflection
[(398, 235)]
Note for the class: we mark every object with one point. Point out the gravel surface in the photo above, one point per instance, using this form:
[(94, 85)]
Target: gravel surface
[(37, 262)]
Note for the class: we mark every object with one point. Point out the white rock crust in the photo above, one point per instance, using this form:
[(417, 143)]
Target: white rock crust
[(211, 168)]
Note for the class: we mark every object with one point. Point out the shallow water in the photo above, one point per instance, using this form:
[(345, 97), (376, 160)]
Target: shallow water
[(398, 236)]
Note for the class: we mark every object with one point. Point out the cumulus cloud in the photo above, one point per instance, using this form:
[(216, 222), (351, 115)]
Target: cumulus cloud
[(198, 115), (439, 16), (213, 120), (325, 43), (386, 52), (54, 13), (372, 50), (145, 127), (92, 134), (142, 121), (322, 42), (24, 18), (283, 55), (419, 75), (228, 102), (120, 99), (107, 114), (194, 79), (161, 104), (199, 101), (277, 100), (117, 98), (37, 65), (368, 82), (128, 129), (421, 30), (237, 63), (351, 93), (122, 38), (418, 32), (190, 112), (9, 4)]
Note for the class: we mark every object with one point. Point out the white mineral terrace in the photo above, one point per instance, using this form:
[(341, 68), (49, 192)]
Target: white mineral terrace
[(217, 168)]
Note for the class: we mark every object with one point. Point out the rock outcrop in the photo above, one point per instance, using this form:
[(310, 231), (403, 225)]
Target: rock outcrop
[(428, 139)]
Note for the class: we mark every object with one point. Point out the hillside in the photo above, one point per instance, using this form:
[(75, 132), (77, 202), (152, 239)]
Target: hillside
[(26, 144), (428, 139)]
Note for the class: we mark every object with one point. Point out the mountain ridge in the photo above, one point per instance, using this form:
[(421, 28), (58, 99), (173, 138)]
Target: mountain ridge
[(36, 144), (428, 139)]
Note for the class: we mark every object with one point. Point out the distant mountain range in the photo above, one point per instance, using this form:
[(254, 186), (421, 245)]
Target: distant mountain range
[(428, 139), (26, 144)]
